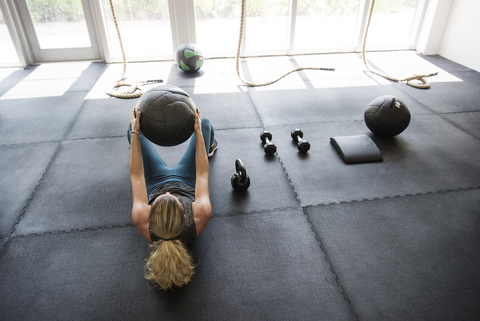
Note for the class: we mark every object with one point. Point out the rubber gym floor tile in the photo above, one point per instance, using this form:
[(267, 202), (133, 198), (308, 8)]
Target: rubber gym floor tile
[(11, 77), (111, 116), (259, 70), (88, 77), (134, 73), (400, 64), (406, 258), (214, 72), (468, 121), (320, 105), (38, 119), (77, 275), (246, 269), (269, 186), (21, 168), (430, 155), (444, 64), (87, 185), (249, 259), (349, 71), (458, 95), (2, 243), (56, 79), (103, 118), (226, 110)]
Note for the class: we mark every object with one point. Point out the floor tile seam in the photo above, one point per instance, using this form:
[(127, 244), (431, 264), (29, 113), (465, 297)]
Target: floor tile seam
[(360, 120), (113, 226), (288, 178), (60, 140), (460, 112), (107, 137), (397, 85), (457, 126), (35, 189), (253, 212), (74, 119), (262, 124), (443, 115), (122, 136), (462, 71), (42, 177), (330, 265), (66, 231), (434, 112), (276, 154), (442, 191)]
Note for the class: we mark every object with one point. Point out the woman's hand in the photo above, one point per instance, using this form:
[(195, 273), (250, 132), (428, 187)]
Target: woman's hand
[(197, 126), (135, 119)]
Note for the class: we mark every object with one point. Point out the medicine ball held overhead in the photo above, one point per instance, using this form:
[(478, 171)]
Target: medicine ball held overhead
[(167, 115), (189, 57), (387, 116)]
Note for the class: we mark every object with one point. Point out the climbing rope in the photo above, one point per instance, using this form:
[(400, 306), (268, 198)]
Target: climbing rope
[(272, 81), (135, 91), (410, 79)]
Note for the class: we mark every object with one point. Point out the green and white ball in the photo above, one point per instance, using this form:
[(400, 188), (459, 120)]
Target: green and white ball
[(189, 57)]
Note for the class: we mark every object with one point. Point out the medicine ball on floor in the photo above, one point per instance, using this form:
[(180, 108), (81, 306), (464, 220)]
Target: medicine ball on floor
[(189, 57), (387, 116), (167, 115)]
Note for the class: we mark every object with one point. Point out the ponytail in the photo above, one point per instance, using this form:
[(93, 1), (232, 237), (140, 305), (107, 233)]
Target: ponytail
[(169, 263)]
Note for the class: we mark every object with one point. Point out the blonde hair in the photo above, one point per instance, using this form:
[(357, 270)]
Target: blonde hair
[(169, 263)]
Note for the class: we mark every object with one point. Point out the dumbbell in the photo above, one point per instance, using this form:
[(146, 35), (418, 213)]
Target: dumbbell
[(268, 145), (303, 145), (240, 180)]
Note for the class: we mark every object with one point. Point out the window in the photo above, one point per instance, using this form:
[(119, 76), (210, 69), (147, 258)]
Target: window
[(392, 23), (9, 55), (144, 27), (217, 25), (59, 26), (306, 26), (322, 24), (152, 29)]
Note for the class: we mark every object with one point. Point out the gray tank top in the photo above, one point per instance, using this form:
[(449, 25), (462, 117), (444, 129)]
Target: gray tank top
[(186, 195)]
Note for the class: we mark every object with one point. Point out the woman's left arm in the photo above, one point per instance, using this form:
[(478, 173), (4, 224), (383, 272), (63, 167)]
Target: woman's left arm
[(202, 208)]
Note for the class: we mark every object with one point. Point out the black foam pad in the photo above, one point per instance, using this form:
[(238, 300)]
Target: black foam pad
[(356, 149)]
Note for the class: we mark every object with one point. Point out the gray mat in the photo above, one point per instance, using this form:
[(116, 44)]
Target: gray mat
[(421, 159), (39, 119), (226, 110), (444, 64), (102, 118), (468, 122), (407, 258), (443, 97), (319, 105), (88, 77), (21, 168), (87, 186), (390, 240), (14, 78), (246, 270), (269, 187)]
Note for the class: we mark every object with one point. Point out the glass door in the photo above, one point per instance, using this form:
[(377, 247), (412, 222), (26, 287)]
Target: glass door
[(8, 56), (59, 30)]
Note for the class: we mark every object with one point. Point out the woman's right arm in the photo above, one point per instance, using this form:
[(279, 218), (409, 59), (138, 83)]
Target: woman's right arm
[(140, 207)]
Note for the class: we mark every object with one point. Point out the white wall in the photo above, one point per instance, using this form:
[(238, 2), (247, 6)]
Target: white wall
[(434, 24), (461, 38)]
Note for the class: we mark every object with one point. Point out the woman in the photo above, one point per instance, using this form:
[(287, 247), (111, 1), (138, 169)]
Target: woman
[(171, 207)]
